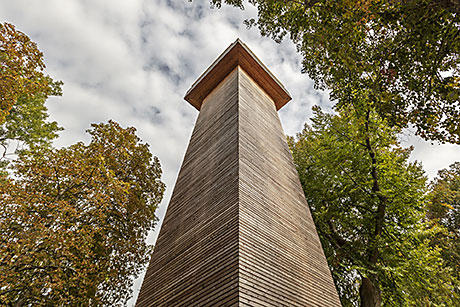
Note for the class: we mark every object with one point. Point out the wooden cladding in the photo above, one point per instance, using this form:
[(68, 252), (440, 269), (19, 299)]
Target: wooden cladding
[(237, 54), (238, 231), (281, 259), (195, 261)]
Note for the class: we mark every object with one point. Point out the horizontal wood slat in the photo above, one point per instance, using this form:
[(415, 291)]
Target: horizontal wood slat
[(195, 261), (237, 54), (238, 231), (281, 259)]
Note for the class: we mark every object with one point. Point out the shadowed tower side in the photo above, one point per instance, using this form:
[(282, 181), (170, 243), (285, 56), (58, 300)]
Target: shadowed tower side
[(238, 231), (195, 261)]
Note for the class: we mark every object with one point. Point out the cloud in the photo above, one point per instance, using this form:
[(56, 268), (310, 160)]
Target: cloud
[(133, 61)]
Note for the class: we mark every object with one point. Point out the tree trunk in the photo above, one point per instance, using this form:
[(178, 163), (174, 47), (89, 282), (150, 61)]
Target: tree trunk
[(369, 293)]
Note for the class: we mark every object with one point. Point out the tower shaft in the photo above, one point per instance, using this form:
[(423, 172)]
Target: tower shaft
[(238, 231)]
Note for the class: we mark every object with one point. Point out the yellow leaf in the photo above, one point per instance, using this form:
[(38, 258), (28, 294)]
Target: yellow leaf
[(447, 206)]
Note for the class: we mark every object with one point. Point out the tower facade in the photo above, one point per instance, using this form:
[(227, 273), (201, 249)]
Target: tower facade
[(238, 231)]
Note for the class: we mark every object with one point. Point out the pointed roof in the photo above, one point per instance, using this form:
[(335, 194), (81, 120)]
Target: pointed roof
[(237, 54)]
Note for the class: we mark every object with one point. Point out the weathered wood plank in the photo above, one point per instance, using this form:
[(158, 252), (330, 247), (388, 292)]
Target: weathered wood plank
[(238, 231), (195, 261), (281, 259)]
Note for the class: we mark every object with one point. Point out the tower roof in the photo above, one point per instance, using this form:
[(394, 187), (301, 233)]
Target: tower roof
[(237, 54)]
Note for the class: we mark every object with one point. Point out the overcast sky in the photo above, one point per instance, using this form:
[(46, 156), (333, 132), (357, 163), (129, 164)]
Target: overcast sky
[(132, 61)]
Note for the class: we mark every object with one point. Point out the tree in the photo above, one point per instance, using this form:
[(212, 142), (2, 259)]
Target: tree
[(444, 208), (73, 221), (367, 202), (404, 56), (445, 199), (26, 126), (21, 73), (23, 91), (388, 64)]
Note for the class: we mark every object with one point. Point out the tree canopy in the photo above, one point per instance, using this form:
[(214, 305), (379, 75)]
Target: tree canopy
[(368, 203), (445, 198), (388, 65), (403, 56), (21, 70), (73, 222), (444, 208), (24, 89)]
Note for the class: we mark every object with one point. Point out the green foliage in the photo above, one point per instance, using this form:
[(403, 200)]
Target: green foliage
[(23, 92), (368, 202), (402, 55), (445, 198), (388, 64), (73, 221), (26, 123), (420, 273), (444, 209), (26, 126), (21, 70)]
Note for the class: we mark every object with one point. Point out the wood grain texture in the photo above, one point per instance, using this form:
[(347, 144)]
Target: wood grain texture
[(281, 259), (238, 231), (237, 54), (195, 261)]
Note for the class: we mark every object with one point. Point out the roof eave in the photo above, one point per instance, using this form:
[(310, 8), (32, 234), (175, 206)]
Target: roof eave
[(237, 54)]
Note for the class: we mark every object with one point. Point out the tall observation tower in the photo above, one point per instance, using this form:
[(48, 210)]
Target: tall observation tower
[(238, 231)]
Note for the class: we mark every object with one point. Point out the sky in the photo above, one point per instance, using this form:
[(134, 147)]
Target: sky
[(132, 61)]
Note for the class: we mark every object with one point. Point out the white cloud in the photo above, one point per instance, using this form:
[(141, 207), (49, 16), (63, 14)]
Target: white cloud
[(132, 61)]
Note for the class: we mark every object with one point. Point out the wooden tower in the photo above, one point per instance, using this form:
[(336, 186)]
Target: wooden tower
[(238, 231)]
